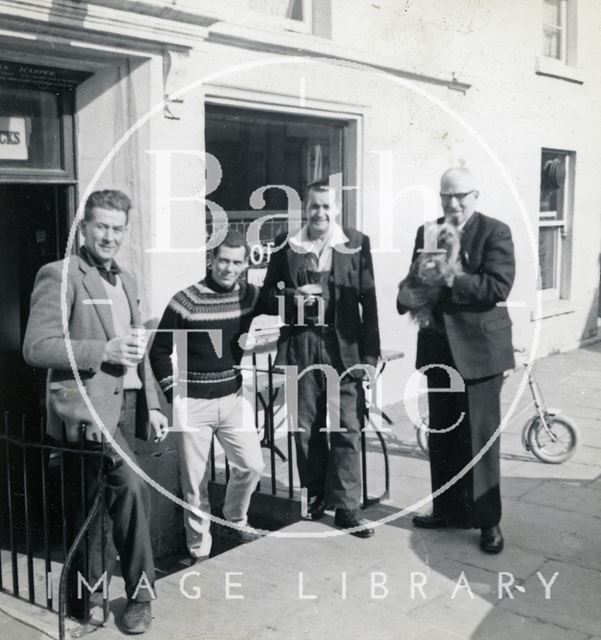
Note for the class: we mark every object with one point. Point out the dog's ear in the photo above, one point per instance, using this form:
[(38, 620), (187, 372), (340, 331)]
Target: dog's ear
[(450, 240), (448, 232)]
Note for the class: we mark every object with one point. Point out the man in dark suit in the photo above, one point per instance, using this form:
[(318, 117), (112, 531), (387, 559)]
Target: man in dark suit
[(471, 332), (101, 305), (324, 274)]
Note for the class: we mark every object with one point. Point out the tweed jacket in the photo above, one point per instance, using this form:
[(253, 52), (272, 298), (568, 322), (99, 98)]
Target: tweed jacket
[(355, 308), (90, 326), (476, 321)]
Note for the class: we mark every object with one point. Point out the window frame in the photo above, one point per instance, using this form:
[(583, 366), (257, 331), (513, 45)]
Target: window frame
[(562, 28), (565, 67), (305, 25), (241, 12), (66, 170), (351, 132), (561, 221)]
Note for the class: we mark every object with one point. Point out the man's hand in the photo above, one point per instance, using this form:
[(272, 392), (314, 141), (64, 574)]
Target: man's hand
[(366, 392), (310, 292), (449, 279), (127, 351), (159, 424), (410, 298), (309, 289)]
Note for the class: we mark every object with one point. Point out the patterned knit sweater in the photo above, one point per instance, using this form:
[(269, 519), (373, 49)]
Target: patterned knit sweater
[(223, 316)]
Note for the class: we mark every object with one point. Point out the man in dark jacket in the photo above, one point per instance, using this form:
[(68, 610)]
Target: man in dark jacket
[(324, 276), (471, 332)]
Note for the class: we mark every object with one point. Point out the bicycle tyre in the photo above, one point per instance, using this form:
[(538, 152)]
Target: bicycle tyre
[(553, 452), (422, 440)]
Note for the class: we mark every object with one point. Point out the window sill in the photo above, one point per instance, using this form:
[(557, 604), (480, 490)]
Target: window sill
[(551, 309), (557, 69)]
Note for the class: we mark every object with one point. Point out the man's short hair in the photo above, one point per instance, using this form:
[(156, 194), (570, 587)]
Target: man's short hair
[(233, 239), (321, 185), (107, 199)]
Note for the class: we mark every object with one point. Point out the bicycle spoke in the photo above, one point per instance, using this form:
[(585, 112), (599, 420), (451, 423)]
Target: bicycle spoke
[(556, 440)]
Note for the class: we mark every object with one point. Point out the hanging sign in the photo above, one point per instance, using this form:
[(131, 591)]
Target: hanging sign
[(13, 142)]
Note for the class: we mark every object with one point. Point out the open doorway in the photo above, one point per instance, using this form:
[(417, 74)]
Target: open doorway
[(33, 231)]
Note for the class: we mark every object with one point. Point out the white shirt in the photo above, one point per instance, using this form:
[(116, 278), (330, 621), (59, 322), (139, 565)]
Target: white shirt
[(335, 237)]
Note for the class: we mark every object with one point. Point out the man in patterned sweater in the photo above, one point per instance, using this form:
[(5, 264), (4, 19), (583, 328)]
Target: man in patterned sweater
[(214, 313)]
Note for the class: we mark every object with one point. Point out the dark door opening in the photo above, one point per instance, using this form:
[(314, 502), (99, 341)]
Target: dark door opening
[(33, 231), (257, 148)]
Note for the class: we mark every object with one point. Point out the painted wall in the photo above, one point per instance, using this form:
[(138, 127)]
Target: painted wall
[(409, 133)]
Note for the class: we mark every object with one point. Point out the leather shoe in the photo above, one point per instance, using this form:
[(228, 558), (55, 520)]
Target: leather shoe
[(315, 508), (96, 617), (348, 519), (244, 536), (239, 536), (491, 540), (137, 617)]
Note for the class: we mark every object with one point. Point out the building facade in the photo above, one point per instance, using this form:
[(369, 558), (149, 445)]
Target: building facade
[(193, 107)]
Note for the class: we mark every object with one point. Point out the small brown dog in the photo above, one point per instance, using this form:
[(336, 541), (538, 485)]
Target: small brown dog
[(420, 290)]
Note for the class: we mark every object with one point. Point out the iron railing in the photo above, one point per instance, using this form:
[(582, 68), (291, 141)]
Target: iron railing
[(40, 518), (267, 383), (31, 502)]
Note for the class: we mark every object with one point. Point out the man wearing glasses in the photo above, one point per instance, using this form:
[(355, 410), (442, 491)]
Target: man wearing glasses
[(470, 333)]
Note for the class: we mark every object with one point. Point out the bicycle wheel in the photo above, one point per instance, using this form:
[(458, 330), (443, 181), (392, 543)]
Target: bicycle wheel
[(555, 445), (422, 440), (422, 429)]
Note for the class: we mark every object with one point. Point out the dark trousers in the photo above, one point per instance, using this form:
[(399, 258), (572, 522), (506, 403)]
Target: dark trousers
[(329, 462), (475, 498), (128, 510)]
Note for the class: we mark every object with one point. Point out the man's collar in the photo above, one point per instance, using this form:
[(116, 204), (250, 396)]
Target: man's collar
[(461, 228), (110, 274), (336, 236), (216, 287)]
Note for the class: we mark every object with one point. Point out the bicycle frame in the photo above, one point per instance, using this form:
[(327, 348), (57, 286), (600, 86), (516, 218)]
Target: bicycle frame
[(542, 412)]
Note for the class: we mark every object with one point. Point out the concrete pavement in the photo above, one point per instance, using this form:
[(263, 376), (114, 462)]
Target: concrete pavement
[(309, 581), (15, 629)]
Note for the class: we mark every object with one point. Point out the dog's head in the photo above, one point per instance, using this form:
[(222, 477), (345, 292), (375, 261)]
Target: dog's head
[(448, 239), (431, 268)]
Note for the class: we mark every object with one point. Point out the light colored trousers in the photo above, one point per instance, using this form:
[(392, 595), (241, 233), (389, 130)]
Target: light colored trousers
[(230, 418)]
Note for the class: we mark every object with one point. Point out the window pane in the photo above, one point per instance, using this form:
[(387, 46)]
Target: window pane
[(552, 12), (552, 42), (292, 9), (548, 201), (30, 134), (552, 183), (547, 255), (256, 149)]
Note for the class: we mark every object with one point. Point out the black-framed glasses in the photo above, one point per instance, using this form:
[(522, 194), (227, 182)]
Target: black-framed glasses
[(447, 197)]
